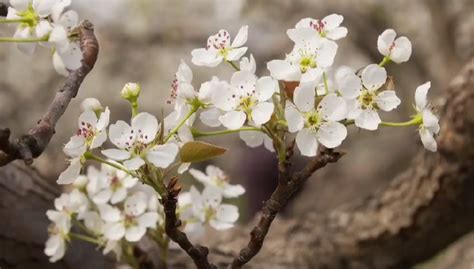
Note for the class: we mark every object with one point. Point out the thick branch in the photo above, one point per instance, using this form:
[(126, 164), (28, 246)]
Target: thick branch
[(172, 223), (32, 144)]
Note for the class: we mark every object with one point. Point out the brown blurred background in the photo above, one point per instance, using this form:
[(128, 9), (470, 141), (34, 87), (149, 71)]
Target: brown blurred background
[(143, 41)]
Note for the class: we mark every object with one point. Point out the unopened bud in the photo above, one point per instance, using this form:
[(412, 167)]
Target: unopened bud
[(91, 104), (131, 91)]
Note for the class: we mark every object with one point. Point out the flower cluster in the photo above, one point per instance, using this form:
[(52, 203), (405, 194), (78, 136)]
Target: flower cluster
[(302, 98), (48, 24)]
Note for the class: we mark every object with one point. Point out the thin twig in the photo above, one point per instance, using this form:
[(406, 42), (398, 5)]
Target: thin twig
[(278, 200), (172, 223), (32, 144)]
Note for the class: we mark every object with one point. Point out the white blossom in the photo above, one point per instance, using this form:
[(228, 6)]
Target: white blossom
[(130, 223), (329, 27), (364, 96), (316, 125), (219, 48), (255, 139), (215, 177), (397, 50), (308, 59), (136, 143), (247, 98), (109, 185), (430, 123), (91, 104)]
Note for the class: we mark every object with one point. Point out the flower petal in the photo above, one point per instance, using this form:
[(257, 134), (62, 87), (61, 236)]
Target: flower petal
[(388, 100), (71, 173), (163, 155), (266, 87), (262, 112), (333, 107), (120, 134), (203, 57), (427, 138), (331, 134), (420, 95), (233, 120), (283, 70), (114, 231), (385, 40), (373, 77), (307, 142), (146, 126), (241, 37), (350, 85), (401, 51), (116, 154), (368, 119), (294, 118), (134, 163), (236, 54), (303, 98), (210, 117), (252, 139), (227, 213)]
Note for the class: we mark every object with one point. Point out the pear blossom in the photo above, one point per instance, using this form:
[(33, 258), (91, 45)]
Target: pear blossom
[(130, 223), (91, 133), (364, 97), (215, 177), (329, 27), (136, 143), (55, 246), (207, 207), (91, 104), (67, 54), (247, 98), (219, 48), (248, 64), (210, 114), (397, 50), (316, 125), (308, 59), (429, 126), (71, 173), (109, 185), (35, 25)]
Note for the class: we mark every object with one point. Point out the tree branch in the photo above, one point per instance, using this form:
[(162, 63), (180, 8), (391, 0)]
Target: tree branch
[(32, 144), (284, 191), (172, 223)]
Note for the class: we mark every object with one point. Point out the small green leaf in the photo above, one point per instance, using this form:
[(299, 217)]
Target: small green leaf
[(198, 151)]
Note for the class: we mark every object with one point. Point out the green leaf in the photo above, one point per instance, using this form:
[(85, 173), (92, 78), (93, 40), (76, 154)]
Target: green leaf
[(198, 151)]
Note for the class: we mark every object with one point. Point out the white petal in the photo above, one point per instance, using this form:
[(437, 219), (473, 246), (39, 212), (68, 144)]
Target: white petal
[(307, 142), (332, 21), (114, 231), (350, 86), (282, 70), (71, 173), (146, 126), (311, 77), (337, 33), (368, 119), (120, 133), (103, 119), (420, 95), (71, 57), (136, 204), (116, 154), (333, 108), (262, 112), (183, 168), (331, 134), (252, 138), (118, 196), (210, 117), (55, 247), (294, 118), (109, 213), (268, 143), (25, 47), (248, 64), (148, 219), (75, 147), (184, 74), (427, 138), (327, 53), (59, 65), (241, 37), (233, 120), (236, 54), (200, 176), (243, 82), (163, 155), (373, 77), (212, 196), (220, 225), (20, 4), (302, 35), (99, 139), (225, 99), (388, 100), (385, 40), (303, 98), (203, 57), (430, 121), (401, 51), (69, 19), (102, 197), (232, 191), (134, 163), (266, 87), (227, 213)]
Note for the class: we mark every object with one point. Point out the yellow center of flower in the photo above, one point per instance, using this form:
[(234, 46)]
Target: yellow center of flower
[(367, 99), (313, 120), (306, 63)]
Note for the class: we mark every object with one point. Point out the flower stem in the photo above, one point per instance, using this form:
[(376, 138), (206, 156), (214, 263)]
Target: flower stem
[(234, 65), (197, 133), (417, 120), (134, 108), (326, 87), (176, 129), (24, 40), (90, 156), (385, 61), (3, 20), (85, 238)]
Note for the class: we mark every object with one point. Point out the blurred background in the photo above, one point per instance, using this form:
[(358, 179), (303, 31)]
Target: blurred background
[(143, 41)]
